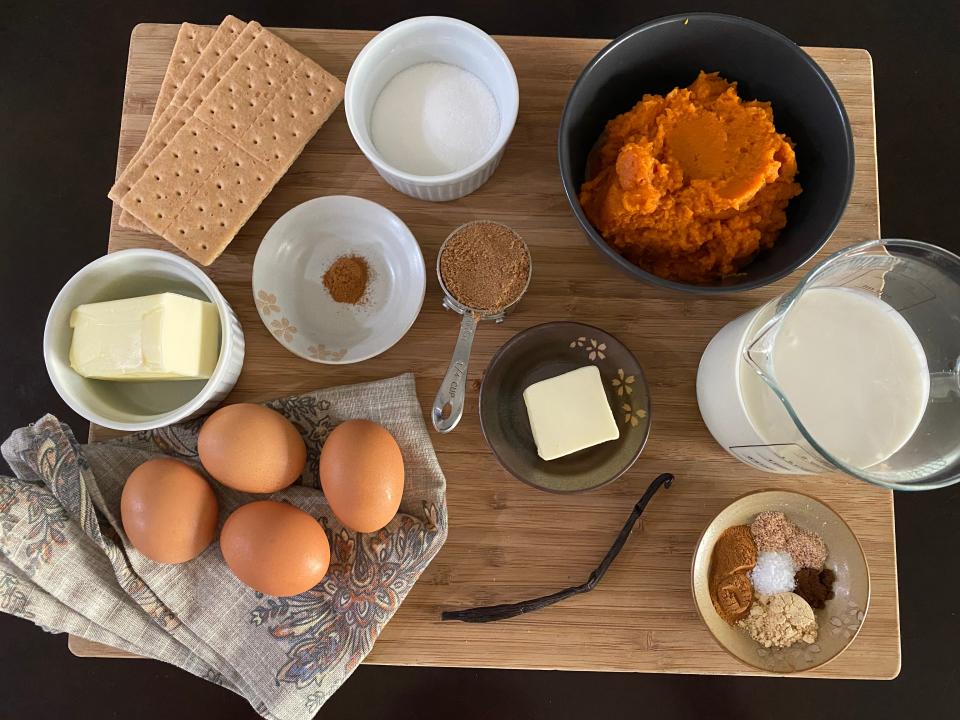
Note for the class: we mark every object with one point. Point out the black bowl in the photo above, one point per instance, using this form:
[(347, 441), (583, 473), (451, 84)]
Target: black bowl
[(670, 52)]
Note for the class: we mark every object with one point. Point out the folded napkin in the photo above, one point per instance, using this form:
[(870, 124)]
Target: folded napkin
[(67, 565)]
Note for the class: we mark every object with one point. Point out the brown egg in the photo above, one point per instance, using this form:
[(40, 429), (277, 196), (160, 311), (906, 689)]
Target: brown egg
[(251, 448), (361, 471), (168, 511), (275, 548)]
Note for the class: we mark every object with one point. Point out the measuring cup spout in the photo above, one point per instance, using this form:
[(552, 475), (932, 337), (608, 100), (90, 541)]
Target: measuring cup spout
[(758, 353)]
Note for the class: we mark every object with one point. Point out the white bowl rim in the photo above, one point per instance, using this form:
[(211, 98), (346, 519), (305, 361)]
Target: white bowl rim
[(162, 419), (423, 286), (371, 152)]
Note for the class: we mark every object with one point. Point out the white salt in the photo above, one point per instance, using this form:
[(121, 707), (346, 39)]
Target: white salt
[(433, 119), (774, 573)]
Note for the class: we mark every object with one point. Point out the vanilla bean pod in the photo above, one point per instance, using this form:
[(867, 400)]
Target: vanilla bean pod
[(509, 610)]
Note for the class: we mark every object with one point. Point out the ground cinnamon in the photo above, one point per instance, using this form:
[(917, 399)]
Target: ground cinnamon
[(346, 279), (734, 554), (485, 266)]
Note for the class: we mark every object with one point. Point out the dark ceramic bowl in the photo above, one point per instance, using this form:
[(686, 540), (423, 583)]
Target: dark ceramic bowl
[(670, 52), (545, 351)]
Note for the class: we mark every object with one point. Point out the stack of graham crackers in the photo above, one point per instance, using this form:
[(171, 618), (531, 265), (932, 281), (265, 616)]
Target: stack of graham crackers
[(236, 107)]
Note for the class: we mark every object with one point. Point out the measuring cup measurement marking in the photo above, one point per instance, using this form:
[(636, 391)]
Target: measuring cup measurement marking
[(448, 406)]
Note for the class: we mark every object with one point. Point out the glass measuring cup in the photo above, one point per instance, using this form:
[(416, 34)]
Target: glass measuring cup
[(448, 404), (880, 323)]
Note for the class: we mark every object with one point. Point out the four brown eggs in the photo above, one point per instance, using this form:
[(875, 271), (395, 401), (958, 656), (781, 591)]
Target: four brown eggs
[(169, 511)]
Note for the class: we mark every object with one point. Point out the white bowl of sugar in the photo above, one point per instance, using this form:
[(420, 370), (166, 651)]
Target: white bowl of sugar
[(431, 101)]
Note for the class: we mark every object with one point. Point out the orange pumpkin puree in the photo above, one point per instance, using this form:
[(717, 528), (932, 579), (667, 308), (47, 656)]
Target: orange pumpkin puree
[(692, 185)]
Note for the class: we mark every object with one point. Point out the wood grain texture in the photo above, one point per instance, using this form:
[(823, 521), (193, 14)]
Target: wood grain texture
[(508, 541)]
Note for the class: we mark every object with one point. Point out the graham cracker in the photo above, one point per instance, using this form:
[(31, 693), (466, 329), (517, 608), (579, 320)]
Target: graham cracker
[(202, 187), (181, 110), (191, 40), (224, 36)]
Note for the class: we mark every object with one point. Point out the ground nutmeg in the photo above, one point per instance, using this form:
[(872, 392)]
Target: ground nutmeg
[(346, 279)]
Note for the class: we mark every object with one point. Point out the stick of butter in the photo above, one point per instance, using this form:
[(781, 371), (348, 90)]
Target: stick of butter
[(569, 412), (155, 337)]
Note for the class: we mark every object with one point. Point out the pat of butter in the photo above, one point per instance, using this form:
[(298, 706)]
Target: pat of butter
[(155, 337), (569, 412)]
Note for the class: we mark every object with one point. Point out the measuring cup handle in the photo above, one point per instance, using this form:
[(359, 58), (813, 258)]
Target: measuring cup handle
[(448, 405)]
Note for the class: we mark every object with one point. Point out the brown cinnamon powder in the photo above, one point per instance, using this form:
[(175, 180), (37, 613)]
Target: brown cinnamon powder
[(485, 266), (346, 279), (734, 554), (733, 596)]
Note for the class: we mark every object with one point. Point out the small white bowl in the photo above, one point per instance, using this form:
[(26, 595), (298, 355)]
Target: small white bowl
[(431, 39), (134, 406), (298, 250)]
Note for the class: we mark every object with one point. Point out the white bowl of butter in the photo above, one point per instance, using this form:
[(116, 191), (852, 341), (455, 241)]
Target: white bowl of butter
[(138, 388)]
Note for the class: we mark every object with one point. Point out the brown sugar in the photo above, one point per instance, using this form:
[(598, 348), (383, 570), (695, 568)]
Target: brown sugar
[(485, 266), (734, 554), (346, 279)]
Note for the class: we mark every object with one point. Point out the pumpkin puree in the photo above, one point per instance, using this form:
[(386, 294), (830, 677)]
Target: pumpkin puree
[(692, 185)]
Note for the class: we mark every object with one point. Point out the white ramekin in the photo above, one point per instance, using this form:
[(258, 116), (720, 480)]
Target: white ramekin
[(431, 39), (136, 406)]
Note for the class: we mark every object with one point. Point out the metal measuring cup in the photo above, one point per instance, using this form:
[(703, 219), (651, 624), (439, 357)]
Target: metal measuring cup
[(448, 404)]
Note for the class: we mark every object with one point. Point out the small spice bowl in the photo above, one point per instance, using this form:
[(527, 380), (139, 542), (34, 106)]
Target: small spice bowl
[(839, 621), (421, 40), (295, 256)]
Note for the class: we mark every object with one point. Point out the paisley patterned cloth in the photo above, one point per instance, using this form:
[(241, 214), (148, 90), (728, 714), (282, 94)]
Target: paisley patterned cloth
[(67, 566)]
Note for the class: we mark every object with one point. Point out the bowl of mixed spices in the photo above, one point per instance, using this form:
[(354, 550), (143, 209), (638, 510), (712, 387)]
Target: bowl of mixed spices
[(338, 279), (781, 581)]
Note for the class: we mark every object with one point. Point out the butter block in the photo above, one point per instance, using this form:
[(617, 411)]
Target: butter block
[(569, 412), (155, 337)]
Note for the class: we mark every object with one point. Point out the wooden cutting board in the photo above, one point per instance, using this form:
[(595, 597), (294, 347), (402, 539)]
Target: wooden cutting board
[(508, 541)]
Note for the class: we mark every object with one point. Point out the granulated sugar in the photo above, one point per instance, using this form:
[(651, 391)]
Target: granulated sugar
[(433, 119)]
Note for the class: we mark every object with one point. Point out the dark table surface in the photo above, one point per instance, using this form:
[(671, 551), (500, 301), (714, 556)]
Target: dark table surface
[(62, 67)]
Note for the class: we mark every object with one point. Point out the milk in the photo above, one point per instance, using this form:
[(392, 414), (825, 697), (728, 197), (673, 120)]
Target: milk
[(854, 372)]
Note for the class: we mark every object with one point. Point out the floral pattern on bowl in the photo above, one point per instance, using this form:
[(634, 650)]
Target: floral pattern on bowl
[(594, 349), (283, 330), (801, 655), (267, 303), (286, 332)]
